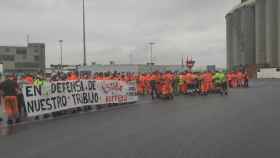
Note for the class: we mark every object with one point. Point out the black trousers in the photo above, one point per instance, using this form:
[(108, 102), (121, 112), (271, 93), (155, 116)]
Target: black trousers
[(246, 83), (22, 110), (223, 86), (154, 92)]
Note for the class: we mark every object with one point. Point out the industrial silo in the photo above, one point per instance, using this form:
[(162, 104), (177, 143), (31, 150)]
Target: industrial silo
[(278, 42), (241, 35), (260, 33), (253, 34), (236, 52), (271, 32), (229, 40)]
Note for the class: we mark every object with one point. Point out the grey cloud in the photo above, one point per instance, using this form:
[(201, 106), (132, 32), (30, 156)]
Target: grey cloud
[(116, 28)]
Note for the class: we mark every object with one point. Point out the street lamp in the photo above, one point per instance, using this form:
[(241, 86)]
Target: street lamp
[(151, 55), (84, 35), (61, 47), (151, 52)]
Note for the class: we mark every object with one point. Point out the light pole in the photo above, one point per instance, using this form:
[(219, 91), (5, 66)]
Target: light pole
[(151, 54), (84, 35), (61, 47)]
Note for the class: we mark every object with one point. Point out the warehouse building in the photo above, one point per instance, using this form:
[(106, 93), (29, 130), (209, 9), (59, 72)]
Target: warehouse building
[(28, 59)]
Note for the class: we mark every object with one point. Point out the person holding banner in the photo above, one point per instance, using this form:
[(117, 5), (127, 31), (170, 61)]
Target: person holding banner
[(10, 89)]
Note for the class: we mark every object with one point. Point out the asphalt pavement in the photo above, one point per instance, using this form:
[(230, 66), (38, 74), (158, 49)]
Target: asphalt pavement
[(244, 124)]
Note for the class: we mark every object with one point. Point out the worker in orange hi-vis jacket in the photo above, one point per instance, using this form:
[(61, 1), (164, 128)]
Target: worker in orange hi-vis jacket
[(246, 79), (239, 76), (161, 84), (128, 77), (182, 83), (112, 77), (170, 78), (229, 79), (207, 81), (145, 84), (151, 76), (134, 77), (137, 77), (166, 89), (106, 77), (154, 86), (122, 78), (242, 79), (99, 76), (234, 79), (188, 81), (72, 76), (141, 84), (191, 83), (203, 84), (147, 79), (211, 81), (28, 79), (158, 82)]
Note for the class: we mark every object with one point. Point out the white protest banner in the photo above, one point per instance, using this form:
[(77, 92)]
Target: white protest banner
[(56, 96)]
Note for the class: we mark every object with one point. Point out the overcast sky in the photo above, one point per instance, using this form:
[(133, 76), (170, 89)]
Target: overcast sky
[(116, 28)]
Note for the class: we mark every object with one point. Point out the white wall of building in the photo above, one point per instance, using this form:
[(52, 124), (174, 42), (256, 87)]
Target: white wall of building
[(269, 73)]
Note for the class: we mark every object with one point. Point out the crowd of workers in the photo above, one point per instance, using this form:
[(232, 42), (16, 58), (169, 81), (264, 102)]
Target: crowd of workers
[(156, 84), (168, 84)]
